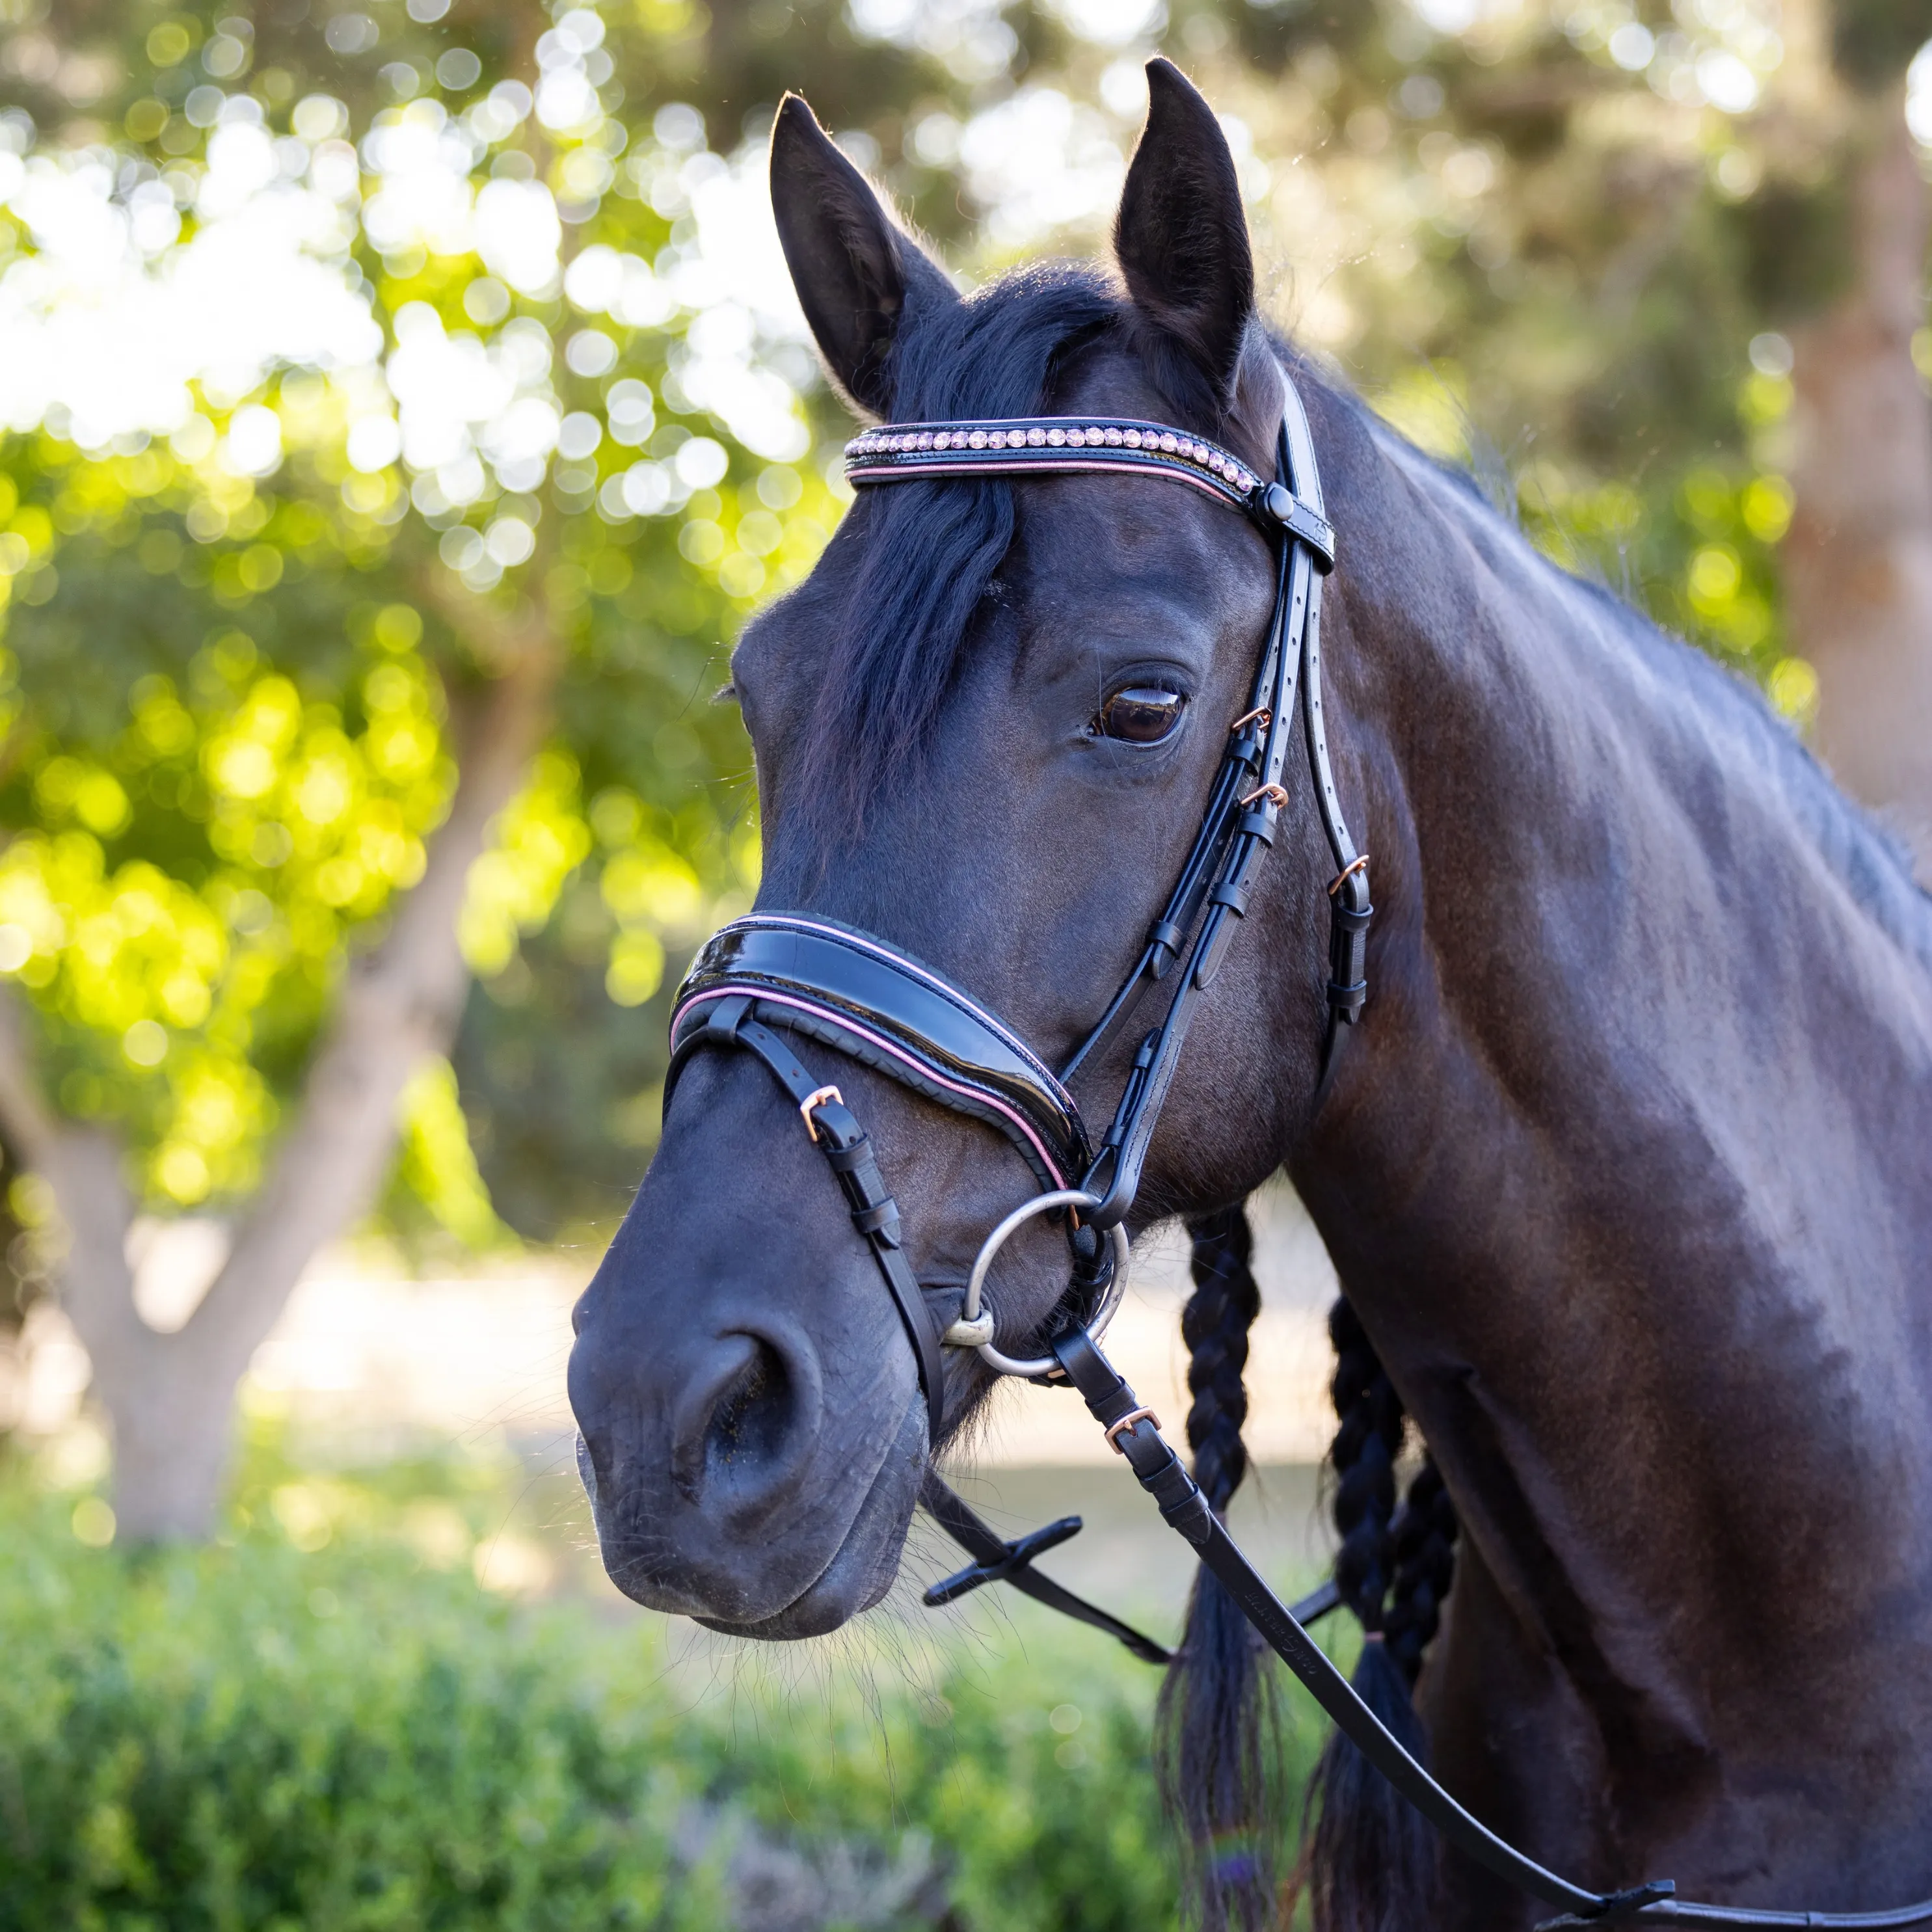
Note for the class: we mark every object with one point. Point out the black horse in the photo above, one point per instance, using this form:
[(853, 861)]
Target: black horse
[(1627, 1175)]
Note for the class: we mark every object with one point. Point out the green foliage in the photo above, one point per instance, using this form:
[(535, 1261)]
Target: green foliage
[(249, 1736), (1583, 222), (244, 625), (251, 1739)]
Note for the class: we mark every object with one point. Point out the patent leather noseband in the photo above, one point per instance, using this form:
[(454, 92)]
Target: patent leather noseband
[(772, 977)]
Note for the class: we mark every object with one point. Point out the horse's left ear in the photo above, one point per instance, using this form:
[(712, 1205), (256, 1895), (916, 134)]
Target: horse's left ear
[(857, 272), (1181, 236)]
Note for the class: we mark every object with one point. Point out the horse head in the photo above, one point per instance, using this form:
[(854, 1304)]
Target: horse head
[(986, 727)]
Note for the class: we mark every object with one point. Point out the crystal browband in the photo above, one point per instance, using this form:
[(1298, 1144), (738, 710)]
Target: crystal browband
[(901, 451)]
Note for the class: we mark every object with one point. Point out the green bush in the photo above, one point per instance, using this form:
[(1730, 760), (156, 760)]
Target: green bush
[(248, 1736), (251, 1738)]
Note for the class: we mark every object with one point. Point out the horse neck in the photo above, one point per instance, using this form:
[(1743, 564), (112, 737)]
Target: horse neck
[(1629, 1168)]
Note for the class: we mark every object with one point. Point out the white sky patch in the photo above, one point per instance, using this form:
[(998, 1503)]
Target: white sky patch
[(735, 280), (519, 235), (422, 163), (253, 446), (93, 330), (457, 395), (107, 328), (1918, 95), (1453, 17), (1112, 23), (970, 36), (1040, 163), (1726, 82)]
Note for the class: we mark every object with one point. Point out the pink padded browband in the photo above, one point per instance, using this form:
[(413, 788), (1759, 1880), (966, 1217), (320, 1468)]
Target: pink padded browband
[(894, 451)]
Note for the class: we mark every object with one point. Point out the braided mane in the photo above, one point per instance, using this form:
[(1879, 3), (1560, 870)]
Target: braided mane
[(1219, 1719), (1371, 1859)]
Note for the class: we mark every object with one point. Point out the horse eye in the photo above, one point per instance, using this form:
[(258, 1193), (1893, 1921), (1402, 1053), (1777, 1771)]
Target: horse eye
[(1143, 715)]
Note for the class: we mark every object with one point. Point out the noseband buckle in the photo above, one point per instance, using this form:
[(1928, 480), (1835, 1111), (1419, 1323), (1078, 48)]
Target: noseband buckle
[(812, 1102)]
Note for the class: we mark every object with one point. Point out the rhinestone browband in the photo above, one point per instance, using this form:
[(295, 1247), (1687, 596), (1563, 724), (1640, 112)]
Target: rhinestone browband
[(896, 450)]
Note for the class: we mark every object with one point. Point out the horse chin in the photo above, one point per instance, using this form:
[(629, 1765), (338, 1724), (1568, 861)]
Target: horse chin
[(860, 1570)]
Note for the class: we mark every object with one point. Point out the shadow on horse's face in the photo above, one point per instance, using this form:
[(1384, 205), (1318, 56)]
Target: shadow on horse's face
[(753, 1431)]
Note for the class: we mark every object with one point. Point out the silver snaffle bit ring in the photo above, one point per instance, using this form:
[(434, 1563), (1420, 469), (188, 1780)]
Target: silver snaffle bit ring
[(974, 1328)]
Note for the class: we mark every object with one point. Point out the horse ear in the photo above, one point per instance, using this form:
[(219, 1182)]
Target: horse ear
[(1181, 236), (856, 272)]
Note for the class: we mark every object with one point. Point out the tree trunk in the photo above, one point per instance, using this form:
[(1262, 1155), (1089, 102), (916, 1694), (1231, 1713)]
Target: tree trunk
[(169, 1398), (1859, 559)]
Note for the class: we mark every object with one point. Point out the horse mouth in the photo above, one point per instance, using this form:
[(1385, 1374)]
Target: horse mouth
[(858, 1572)]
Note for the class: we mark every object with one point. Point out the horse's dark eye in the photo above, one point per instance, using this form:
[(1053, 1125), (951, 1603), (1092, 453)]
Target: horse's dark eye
[(1143, 715)]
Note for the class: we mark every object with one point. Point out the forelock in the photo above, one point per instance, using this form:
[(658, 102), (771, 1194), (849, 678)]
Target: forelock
[(929, 550)]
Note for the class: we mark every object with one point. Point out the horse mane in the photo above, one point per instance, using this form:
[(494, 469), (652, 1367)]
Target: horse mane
[(1876, 864)]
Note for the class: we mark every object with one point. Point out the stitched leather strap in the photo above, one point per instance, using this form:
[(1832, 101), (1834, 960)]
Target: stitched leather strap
[(729, 1022), (897, 1015), (1236, 835)]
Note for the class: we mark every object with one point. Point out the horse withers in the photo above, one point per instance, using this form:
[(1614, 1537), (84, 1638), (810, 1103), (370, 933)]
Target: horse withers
[(1627, 1177)]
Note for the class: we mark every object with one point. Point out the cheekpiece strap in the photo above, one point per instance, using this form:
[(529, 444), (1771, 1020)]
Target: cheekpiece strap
[(1034, 443)]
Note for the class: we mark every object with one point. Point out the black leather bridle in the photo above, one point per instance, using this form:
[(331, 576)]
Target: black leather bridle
[(769, 976)]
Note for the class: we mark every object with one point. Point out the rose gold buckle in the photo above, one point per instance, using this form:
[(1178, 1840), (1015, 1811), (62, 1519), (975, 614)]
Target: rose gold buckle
[(1132, 1419), (1260, 715), (817, 1100), (1341, 878), (1273, 794)]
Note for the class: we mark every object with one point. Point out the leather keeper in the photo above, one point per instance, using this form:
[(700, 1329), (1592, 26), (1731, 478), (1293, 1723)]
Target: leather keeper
[(882, 1218), (850, 1157), (1346, 1000), (1258, 822)]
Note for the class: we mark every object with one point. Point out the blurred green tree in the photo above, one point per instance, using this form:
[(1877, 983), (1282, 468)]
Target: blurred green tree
[(403, 404), (396, 433)]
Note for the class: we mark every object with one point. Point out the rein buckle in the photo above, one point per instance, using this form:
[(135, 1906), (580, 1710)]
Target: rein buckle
[(1132, 1419)]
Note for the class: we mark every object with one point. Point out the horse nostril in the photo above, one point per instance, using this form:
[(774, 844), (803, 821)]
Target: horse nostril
[(747, 1428), (749, 1423)]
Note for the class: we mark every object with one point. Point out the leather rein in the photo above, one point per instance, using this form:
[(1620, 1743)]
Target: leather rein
[(768, 977)]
